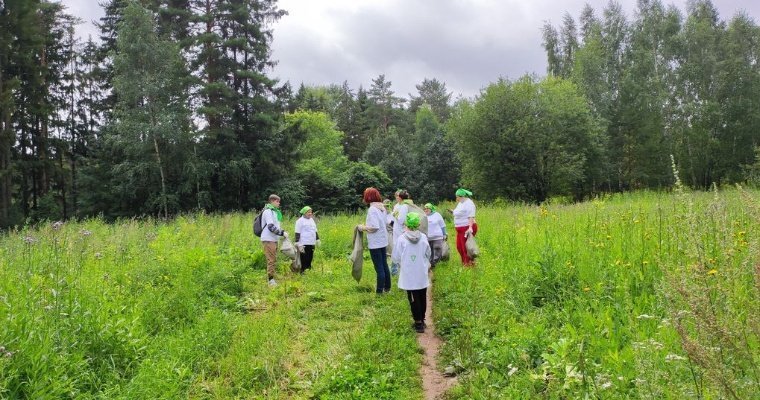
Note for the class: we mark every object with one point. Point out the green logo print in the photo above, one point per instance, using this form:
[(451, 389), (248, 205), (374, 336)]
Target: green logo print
[(413, 257)]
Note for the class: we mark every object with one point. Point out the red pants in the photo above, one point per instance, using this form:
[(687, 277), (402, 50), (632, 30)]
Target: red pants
[(466, 261)]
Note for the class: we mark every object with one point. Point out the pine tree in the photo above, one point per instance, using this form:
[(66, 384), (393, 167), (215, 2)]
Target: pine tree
[(383, 103), (231, 56), (433, 93)]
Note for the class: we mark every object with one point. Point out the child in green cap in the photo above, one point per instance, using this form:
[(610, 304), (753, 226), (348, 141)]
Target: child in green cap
[(307, 237), (412, 253)]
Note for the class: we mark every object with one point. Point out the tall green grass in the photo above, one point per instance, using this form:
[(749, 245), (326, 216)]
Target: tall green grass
[(644, 295), (146, 309)]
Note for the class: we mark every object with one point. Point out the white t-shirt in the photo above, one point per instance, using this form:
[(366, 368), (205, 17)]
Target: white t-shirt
[(399, 215), (307, 229), (464, 210), (414, 261), (269, 217), (436, 226), (376, 217)]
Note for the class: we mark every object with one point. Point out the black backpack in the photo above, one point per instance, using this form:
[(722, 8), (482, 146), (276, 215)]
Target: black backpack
[(257, 228)]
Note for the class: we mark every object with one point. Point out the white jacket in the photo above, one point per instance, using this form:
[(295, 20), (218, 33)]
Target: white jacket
[(412, 253)]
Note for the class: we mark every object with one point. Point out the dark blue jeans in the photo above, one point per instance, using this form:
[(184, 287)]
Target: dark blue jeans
[(380, 260)]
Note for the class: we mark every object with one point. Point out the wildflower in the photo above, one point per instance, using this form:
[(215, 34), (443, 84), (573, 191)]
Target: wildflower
[(712, 272), (29, 240), (98, 255), (606, 385), (586, 289), (645, 316), (512, 370), (674, 357), (57, 225), (85, 232)]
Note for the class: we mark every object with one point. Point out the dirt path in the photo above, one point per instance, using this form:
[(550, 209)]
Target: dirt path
[(434, 383)]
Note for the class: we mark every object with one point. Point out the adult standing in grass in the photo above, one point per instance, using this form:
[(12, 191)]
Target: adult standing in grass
[(436, 233), (271, 218), (464, 223), (389, 220), (400, 209), (412, 253), (307, 237), (377, 237)]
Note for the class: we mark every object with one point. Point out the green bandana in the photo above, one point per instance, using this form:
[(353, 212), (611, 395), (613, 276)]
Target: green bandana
[(461, 192), (431, 207), (412, 220), (408, 201), (276, 210), (305, 210)]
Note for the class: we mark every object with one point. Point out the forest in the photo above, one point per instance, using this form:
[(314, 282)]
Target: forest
[(173, 110)]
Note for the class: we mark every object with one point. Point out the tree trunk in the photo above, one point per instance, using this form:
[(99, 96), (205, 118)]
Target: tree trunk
[(163, 179), (6, 141), (43, 184)]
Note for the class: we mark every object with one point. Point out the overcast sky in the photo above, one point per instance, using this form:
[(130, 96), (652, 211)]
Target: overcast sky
[(465, 43)]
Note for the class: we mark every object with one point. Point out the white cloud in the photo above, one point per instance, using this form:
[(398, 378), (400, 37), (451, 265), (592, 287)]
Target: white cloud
[(465, 43)]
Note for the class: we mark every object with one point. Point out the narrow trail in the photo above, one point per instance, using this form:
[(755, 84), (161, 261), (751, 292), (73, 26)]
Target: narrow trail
[(434, 382)]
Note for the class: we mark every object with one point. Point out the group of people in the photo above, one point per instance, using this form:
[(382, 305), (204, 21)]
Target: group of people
[(390, 231), (307, 236)]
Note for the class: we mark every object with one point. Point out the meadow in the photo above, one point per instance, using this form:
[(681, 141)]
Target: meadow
[(642, 295)]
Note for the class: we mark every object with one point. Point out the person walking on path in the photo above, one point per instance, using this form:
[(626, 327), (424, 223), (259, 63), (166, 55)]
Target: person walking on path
[(377, 238), (464, 223), (412, 253), (307, 237), (271, 218), (436, 233)]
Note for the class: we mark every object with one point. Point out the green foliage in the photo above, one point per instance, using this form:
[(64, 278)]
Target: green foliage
[(434, 94), (665, 82), (543, 141), (176, 310), (331, 182), (633, 296), (151, 139)]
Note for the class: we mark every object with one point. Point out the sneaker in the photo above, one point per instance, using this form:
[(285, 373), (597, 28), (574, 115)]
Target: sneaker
[(419, 327), (272, 282)]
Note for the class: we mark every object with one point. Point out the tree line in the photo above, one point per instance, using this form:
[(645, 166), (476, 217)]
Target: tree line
[(665, 83), (172, 110)]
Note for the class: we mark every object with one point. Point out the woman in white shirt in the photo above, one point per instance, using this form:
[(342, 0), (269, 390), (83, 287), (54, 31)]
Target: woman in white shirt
[(307, 237), (412, 254), (464, 223), (436, 233), (377, 238), (399, 218)]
